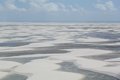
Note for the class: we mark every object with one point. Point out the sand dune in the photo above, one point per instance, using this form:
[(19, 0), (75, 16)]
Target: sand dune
[(38, 52)]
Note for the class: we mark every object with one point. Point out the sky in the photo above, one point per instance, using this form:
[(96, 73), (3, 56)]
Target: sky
[(59, 10)]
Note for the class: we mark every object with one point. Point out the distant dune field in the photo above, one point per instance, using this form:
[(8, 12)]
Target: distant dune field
[(76, 51)]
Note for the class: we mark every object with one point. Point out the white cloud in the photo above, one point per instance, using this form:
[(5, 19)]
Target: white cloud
[(38, 5), (109, 5), (1, 7), (74, 8), (10, 5), (77, 9), (51, 7), (43, 5), (101, 6)]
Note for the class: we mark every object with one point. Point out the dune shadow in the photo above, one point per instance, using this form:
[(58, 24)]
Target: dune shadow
[(15, 77), (103, 56), (23, 60), (89, 75), (32, 52)]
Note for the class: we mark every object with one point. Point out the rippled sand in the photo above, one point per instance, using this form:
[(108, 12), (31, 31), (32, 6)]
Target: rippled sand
[(60, 51)]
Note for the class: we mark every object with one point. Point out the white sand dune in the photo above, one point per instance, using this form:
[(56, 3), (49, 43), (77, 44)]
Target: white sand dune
[(26, 47), (55, 75), (91, 39), (42, 36), (49, 67), (47, 70), (99, 66), (77, 53), (113, 60), (38, 66), (87, 52), (10, 49), (43, 44), (112, 44), (8, 65), (3, 74)]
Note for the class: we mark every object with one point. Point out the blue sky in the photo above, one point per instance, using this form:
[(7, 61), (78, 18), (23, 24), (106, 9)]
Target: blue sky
[(59, 10)]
